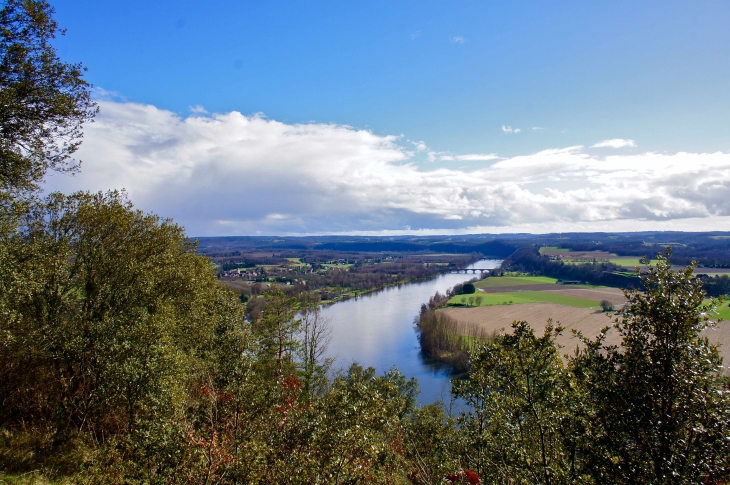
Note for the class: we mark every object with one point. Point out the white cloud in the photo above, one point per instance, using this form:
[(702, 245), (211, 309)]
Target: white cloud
[(509, 129), (615, 143), (472, 157), (227, 174), (420, 146), (415, 35), (458, 39), (197, 109), (537, 128)]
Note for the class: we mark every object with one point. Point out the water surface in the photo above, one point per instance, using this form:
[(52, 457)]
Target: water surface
[(378, 330)]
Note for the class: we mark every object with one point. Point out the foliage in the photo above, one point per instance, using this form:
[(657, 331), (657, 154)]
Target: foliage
[(519, 427), (43, 101), (277, 327), (659, 406), (315, 334), (118, 313)]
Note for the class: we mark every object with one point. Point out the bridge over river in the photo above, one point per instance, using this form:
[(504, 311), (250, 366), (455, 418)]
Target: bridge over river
[(472, 270)]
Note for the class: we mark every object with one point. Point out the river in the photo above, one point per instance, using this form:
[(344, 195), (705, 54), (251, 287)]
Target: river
[(377, 330)]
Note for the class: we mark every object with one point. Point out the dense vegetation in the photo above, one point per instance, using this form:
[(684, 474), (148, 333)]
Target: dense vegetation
[(124, 360)]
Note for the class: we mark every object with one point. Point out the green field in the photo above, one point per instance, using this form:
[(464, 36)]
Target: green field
[(629, 261), (497, 281), (724, 310), (517, 297), (554, 249)]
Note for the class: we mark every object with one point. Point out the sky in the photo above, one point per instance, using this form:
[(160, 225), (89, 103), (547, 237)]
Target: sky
[(246, 118)]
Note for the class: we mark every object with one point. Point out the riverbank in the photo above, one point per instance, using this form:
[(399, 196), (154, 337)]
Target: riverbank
[(376, 329)]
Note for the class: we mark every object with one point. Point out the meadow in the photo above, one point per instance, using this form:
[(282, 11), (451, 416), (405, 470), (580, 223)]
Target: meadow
[(494, 282), (520, 297)]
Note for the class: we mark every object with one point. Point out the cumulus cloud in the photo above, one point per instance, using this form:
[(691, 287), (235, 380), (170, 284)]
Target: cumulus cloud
[(509, 129), (458, 39), (615, 143), (227, 174)]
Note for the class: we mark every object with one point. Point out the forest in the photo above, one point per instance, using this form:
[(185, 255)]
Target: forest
[(123, 359)]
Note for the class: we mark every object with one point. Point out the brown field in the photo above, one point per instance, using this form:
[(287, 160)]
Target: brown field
[(614, 295), (484, 320)]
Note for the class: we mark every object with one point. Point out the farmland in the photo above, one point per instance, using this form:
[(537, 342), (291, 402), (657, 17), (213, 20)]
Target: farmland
[(533, 299), (578, 257), (519, 297), (514, 281)]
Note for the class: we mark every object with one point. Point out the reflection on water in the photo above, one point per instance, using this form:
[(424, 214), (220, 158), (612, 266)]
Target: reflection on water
[(377, 330)]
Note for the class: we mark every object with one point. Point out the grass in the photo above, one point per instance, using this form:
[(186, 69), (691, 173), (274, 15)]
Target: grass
[(723, 311), (518, 297), (29, 479), (497, 281), (553, 249), (630, 261)]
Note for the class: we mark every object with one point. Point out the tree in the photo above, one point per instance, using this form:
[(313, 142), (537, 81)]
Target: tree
[(315, 334), (43, 101), (606, 306), (519, 427), (278, 327), (117, 317), (659, 405)]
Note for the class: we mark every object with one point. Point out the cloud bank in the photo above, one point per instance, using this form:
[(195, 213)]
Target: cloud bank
[(230, 174)]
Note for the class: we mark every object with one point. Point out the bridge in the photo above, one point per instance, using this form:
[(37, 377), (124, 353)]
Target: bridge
[(473, 270)]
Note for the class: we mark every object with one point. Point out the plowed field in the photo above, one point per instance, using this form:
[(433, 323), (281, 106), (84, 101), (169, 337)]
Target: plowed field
[(589, 321)]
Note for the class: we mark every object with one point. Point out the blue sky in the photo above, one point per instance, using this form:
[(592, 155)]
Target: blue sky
[(509, 79)]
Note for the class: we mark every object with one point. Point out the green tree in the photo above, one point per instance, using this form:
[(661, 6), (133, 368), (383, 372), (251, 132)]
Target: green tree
[(432, 444), (315, 334), (118, 318), (43, 101), (520, 426), (278, 327), (659, 404)]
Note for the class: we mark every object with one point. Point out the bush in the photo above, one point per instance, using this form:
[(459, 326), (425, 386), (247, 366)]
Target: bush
[(469, 289), (607, 306)]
